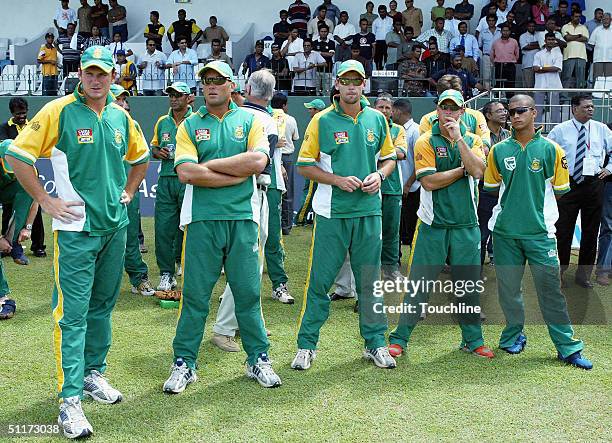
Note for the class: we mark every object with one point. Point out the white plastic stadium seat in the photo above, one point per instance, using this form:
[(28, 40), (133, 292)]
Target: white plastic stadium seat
[(9, 79)]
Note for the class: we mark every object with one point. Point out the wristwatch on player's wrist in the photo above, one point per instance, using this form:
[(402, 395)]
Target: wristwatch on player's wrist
[(28, 227), (382, 175)]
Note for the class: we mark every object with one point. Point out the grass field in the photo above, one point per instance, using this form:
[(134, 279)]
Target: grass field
[(436, 392)]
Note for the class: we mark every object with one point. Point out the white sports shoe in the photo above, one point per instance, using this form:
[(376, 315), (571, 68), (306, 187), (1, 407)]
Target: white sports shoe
[(96, 387), (282, 294), (72, 420), (144, 288), (380, 357), (262, 372), (167, 282), (180, 376), (303, 358)]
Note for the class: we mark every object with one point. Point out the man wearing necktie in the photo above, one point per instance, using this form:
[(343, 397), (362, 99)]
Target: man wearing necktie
[(586, 143)]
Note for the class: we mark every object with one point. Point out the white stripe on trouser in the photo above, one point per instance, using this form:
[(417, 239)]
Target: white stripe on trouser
[(345, 280), (226, 323)]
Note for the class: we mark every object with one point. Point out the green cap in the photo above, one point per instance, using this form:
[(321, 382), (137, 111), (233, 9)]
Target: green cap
[(219, 66), (180, 87), (317, 103), (452, 95), (351, 65), (118, 90), (97, 56)]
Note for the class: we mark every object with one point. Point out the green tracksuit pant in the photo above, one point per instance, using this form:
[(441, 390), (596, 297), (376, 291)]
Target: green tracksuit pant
[(135, 267), (87, 273), (306, 203), (274, 251), (208, 246), (391, 214), (331, 239), (510, 258), (14, 194), (168, 236), (4, 287), (432, 247)]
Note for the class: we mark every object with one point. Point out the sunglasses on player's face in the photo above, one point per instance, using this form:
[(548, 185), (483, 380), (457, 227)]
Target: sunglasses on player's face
[(519, 110), (215, 80), (350, 81), (449, 107)]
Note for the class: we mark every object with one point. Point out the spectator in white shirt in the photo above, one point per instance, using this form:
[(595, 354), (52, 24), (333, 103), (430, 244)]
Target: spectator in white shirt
[(320, 19), (118, 45), (551, 26), (602, 53), (528, 42), (443, 37), (64, 15), (343, 33), (451, 24), (468, 41), (151, 67), (292, 46), (382, 25), (502, 10), (182, 62), (483, 23), (305, 67), (547, 65)]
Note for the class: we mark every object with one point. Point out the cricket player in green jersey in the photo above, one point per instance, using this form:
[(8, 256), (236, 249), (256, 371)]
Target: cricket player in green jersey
[(220, 150), (529, 172), (170, 191), (348, 151), (88, 138), (449, 162)]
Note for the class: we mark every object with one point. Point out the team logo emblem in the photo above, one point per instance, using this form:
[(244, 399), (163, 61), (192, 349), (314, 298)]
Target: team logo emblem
[(564, 162), (341, 137), (165, 137), (239, 132), (118, 136), (84, 136), (510, 163), (441, 151), (97, 53), (202, 135), (370, 136), (536, 165), (35, 126)]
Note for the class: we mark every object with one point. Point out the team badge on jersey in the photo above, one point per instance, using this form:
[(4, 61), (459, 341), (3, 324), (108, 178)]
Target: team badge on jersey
[(442, 151), (370, 136), (118, 137), (202, 135), (239, 132), (341, 137), (84, 136), (510, 163), (165, 137), (536, 165)]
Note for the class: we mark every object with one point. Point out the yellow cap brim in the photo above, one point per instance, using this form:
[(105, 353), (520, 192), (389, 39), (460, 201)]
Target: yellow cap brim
[(97, 64), (361, 74)]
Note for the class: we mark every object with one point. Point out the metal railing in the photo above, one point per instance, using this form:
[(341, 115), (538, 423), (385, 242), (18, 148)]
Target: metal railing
[(553, 105)]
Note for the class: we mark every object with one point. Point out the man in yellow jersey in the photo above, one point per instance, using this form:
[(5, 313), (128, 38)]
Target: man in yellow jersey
[(88, 138), (530, 173), (448, 162), (220, 148), (348, 151)]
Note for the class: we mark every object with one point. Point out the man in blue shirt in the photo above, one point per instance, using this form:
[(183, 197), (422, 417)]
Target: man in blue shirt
[(467, 79), (257, 60)]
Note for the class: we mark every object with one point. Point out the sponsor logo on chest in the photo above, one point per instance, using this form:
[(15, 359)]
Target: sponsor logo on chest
[(84, 136), (341, 137), (165, 137), (510, 163), (442, 151), (202, 135)]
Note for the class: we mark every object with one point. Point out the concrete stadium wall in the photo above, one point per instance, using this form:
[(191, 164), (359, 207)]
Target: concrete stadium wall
[(29, 17)]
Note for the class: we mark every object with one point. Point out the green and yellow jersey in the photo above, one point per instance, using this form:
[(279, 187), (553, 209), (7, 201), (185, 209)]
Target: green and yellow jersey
[(164, 136), (474, 121), (341, 145), (527, 179), (454, 206), (203, 137), (87, 151), (394, 184)]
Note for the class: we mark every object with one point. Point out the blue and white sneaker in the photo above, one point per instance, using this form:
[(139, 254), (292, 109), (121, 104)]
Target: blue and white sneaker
[(262, 372), (180, 376), (72, 420), (167, 282), (576, 359), (380, 357), (96, 387), (518, 346), (303, 359)]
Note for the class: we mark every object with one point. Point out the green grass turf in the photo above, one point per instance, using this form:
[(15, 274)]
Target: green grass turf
[(436, 392)]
